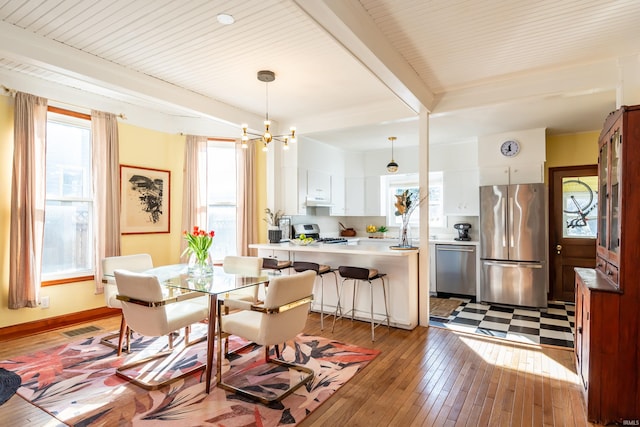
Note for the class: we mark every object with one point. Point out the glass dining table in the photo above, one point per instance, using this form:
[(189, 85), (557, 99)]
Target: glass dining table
[(176, 278)]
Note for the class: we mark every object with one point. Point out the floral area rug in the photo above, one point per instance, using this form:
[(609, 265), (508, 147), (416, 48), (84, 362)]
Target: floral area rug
[(76, 383)]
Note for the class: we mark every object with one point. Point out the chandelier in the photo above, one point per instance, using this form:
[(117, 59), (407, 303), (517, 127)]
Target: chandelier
[(267, 76), (392, 166)]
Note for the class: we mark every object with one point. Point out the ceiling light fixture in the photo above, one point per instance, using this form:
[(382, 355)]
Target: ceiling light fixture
[(392, 166), (225, 19), (267, 77)]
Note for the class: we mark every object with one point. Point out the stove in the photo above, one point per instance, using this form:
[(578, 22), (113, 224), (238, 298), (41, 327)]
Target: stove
[(313, 231), (309, 230)]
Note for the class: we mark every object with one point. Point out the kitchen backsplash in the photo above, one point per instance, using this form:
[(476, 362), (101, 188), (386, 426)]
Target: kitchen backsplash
[(330, 225)]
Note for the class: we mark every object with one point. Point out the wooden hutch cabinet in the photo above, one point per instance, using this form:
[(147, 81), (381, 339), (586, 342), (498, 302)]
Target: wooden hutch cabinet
[(607, 330)]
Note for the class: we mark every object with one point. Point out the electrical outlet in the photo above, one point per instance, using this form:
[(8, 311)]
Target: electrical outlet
[(44, 302)]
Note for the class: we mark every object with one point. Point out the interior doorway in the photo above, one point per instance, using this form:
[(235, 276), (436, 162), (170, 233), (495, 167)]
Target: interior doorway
[(573, 213)]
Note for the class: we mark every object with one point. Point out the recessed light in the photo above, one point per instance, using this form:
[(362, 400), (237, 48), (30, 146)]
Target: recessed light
[(225, 19)]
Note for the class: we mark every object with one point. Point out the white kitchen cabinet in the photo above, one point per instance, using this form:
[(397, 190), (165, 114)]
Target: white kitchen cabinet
[(280, 255), (516, 174), (372, 196), (354, 196), (318, 186), (461, 193), (295, 191), (338, 195)]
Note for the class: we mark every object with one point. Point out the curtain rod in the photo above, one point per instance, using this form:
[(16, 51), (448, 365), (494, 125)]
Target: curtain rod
[(12, 92)]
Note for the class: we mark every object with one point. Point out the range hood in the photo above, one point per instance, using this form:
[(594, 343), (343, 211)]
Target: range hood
[(315, 202)]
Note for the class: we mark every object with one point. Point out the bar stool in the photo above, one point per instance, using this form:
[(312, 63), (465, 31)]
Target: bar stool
[(321, 270), (275, 264), (358, 274)]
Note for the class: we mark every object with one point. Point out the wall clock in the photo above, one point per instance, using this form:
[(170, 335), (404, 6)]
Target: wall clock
[(510, 148)]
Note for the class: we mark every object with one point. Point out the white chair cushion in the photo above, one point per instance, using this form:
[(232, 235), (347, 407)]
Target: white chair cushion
[(245, 265), (156, 321), (136, 263), (270, 329)]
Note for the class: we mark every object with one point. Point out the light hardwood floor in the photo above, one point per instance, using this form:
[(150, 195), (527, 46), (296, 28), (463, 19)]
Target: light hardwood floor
[(424, 377)]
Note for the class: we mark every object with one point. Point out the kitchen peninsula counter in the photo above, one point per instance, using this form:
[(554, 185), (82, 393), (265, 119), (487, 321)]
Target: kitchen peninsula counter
[(401, 267), (362, 248)]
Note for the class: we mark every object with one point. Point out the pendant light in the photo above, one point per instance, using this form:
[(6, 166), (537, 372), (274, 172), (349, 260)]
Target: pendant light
[(392, 166), (266, 137)]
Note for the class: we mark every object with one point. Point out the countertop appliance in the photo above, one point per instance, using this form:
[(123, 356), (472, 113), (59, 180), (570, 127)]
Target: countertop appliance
[(456, 269), (463, 231), (313, 231), (513, 240)]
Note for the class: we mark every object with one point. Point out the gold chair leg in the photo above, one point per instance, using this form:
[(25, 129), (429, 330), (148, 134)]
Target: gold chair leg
[(162, 354), (262, 399)]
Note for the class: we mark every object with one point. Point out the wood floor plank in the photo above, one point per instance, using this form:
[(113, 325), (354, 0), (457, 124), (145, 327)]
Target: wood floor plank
[(428, 376)]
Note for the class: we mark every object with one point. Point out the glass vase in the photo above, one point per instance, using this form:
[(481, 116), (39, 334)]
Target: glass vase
[(404, 236), (200, 267)]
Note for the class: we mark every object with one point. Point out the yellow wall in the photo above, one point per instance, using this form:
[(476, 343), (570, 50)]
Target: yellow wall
[(138, 147), (157, 150), (571, 150)]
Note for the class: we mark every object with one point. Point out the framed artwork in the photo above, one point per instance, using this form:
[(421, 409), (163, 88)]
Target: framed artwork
[(144, 200), (284, 224)]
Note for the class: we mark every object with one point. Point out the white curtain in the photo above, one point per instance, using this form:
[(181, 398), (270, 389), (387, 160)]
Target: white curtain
[(106, 189), (246, 218), (194, 194), (28, 199)]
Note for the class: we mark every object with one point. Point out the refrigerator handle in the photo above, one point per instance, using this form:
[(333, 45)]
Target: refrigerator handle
[(510, 222), (504, 213)]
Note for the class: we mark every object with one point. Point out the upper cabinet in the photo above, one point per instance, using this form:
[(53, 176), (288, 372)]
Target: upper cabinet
[(619, 151), (338, 198), (319, 186), (295, 191), (354, 196), (517, 174), (512, 158), (372, 205), (461, 193)]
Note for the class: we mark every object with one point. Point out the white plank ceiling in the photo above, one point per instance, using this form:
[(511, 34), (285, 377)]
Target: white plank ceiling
[(348, 72)]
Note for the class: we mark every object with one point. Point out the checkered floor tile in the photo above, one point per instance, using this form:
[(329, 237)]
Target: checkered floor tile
[(551, 327)]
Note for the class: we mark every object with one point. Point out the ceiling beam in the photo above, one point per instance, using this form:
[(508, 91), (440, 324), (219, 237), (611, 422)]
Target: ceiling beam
[(354, 29), (29, 48)]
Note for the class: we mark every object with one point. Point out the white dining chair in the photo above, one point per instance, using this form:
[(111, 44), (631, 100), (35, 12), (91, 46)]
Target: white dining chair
[(281, 317), (148, 312), (135, 263)]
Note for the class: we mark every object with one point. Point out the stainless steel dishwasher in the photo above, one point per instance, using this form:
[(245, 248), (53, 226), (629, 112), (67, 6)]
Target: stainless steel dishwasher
[(456, 269)]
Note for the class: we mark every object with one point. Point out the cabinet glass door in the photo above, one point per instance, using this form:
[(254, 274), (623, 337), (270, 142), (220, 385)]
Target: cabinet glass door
[(614, 220), (603, 164)]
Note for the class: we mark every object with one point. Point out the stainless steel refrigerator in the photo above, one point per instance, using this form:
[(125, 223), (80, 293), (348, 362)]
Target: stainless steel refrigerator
[(513, 247)]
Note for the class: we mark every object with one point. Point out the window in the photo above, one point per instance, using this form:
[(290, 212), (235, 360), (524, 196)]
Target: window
[(68, 227), (395, 184), (221, 198)]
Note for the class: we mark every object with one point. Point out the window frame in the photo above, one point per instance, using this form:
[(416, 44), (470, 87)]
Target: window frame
[(73, 118)]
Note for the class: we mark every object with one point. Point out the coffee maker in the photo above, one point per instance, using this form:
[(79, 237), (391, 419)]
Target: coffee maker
[(463, 231)]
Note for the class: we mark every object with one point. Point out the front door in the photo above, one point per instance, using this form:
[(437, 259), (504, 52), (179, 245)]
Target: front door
[(573, 195)]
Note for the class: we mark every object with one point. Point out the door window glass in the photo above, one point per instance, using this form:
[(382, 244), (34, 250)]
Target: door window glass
[(579, 202)]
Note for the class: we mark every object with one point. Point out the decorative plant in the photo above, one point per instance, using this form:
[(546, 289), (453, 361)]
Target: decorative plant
[(382, 229), (272, 218), (198, 243), (406, 202)]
